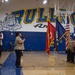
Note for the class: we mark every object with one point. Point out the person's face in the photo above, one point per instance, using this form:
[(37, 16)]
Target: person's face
[(20, 34)]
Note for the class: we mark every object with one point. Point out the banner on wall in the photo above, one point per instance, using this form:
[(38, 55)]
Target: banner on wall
[(33, 20)]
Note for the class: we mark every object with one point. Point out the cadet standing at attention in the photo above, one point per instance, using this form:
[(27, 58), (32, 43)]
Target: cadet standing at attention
[(19, 47), (70, 52), (1, 38)]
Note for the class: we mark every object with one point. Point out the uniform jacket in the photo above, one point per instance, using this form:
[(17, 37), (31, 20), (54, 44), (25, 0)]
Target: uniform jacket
[(19, 44)]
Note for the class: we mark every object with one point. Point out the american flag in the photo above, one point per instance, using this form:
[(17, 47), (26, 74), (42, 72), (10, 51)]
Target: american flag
[(68, 37), (68, 27)]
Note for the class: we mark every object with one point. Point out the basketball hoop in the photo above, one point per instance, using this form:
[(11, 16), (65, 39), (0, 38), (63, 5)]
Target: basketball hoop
[(68, 6)]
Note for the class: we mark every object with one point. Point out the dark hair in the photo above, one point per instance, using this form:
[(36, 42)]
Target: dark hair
[(17, 33)]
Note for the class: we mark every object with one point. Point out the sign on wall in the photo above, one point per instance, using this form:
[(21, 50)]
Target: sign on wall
[(34, 20)]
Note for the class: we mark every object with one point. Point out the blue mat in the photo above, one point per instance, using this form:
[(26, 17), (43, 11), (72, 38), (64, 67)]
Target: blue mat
[(9, 68)]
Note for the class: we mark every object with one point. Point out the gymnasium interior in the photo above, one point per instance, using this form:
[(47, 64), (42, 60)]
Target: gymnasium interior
[(44, 25)]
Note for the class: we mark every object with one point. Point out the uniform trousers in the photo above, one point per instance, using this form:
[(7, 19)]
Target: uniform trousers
[(0, 50), (70, 56), (18, 57)]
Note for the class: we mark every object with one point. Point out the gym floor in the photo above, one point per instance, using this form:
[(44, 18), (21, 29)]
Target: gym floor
[(37, 63)]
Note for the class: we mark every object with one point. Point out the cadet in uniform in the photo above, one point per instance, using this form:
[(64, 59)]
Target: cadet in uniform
[(19, 47), (70, 52), (1, 38)]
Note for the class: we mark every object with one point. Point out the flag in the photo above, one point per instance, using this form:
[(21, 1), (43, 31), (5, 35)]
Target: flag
[(60, 32), (67, 35), (67, 28), (49, 36)]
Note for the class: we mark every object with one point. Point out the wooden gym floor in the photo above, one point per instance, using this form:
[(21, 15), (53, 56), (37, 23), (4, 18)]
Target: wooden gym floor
[(39, 63)]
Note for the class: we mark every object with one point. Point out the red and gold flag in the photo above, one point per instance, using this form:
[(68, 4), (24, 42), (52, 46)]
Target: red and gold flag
[(49, 36)]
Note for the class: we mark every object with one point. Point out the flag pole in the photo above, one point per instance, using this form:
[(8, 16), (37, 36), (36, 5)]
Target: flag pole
[(56, 12), (48, 17), (48, 9), (48, 13)]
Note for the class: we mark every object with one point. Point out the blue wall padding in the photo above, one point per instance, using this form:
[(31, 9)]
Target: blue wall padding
[(34, 41)]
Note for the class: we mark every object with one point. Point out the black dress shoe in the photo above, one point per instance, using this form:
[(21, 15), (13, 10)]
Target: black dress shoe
[(74, 62), (67, 61), (0, 64), (19, 66), (71, 62)]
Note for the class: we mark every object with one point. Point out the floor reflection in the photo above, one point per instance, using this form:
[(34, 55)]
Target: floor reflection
[(38, 63)]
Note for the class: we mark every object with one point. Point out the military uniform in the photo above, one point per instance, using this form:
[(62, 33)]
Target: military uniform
[(1, 38), (74, 51), (19, 47), (70, 52)]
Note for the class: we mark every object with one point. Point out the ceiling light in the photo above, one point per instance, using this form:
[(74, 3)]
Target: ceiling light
[(45, 1), (2, 1), (6, 0)]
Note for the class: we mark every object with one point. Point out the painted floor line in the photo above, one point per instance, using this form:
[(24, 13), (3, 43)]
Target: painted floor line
[(9, 68)]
